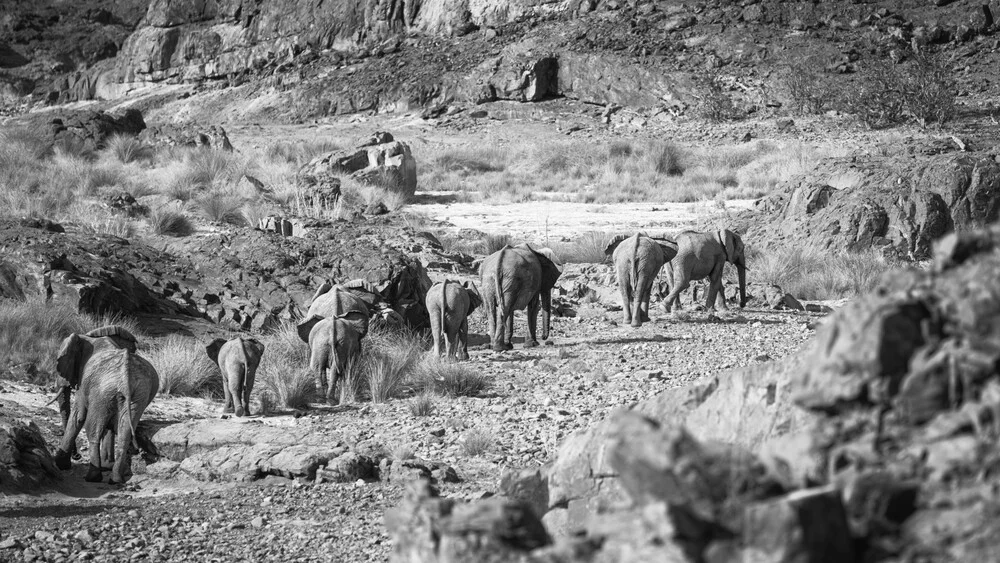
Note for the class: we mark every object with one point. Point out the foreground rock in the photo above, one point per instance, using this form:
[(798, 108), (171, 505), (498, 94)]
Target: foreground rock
[(898, 203), (25, 461), (892, 437)]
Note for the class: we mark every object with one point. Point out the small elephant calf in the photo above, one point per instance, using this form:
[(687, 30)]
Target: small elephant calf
[(449, 305), (238, 359), (334, 342)]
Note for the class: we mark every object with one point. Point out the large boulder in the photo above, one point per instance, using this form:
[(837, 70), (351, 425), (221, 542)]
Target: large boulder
[(25, 461), (87, 128), (899, 203), (380, 161)]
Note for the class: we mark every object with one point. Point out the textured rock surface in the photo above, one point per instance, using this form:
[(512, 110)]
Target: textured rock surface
[(25, 461), (380, 161), (900, 202)]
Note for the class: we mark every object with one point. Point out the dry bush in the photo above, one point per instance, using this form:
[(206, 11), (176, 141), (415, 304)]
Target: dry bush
[(184, 367), (586, 248), (300, 152), (807, 85), (221, 208), (32, 330), (716, 105), (170, 221), (254, 213), (446, 377), (128, 148), (477, 442), (364, 194), (813, 275), (493, 243), (422, 404), (921, 89), (283, 377), (110, 224), (389, 359)]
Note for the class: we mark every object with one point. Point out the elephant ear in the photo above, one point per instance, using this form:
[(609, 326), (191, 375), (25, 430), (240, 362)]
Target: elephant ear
[(551, 267), (69, 361), (253, 344), (213, 348), (668, 247), (321, 290), (119, 335), (613, 244), (728, 243), (475, 298), (306, 326)]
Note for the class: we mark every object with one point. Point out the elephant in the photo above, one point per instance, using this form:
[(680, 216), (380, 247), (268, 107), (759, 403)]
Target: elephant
[(334, 342), (638, 259), (335, 301), (449, 304), (701, 255), (515, 278), (238, 360), (115, 387), (114, 336)]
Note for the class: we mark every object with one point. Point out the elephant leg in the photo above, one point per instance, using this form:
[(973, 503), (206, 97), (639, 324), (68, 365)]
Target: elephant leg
[(74, 423), (436, 334), (715, 288), (623, 287), (495, 320), (236, 388), (227, 401), (96, 426), (533, 306), (251, 375), (123, 442), (673, 299), (108, 448), (462, 340)]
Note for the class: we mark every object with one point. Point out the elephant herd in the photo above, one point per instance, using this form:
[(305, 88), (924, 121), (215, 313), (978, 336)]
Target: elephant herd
[(114, 384)]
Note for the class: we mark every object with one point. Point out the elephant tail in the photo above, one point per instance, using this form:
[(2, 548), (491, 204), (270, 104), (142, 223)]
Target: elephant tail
[(444, 308), (127, 394), (498, 281), (635, 261)]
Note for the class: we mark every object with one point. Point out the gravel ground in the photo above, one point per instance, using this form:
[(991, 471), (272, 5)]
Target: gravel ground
[(537, 397)]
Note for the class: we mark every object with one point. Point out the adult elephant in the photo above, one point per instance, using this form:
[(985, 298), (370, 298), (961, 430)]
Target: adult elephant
[(335, 301), (237, 360), (704, 255), (115, 387), (333, 344), (515, 278), (638, 259)]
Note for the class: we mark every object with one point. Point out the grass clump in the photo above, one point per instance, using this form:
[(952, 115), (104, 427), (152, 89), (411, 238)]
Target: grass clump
[(127, 148), (283, 377), (813, 275), (170, 221), (421, 405), (493, 243), (477, 442), (588, 248), (221, 208), (389, 360), (184, 367), (449, 378)]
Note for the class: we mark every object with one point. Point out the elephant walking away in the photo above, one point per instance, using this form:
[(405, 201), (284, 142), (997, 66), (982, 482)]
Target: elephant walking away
[(515, 278), (449, 304), (704, 255), (238, 360), (334, 343), (115, 387), (638, 259)]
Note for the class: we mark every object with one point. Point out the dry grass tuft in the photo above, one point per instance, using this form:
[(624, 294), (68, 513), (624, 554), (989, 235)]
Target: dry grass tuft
[(128, 148), (221, 208), (283, 377), (389, 360), (449, 378), (184, 367), (587, 248), (477, 442), (170, 221), (422, 404), (813, 275)]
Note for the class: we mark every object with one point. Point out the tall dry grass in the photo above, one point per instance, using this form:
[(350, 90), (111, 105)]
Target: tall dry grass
[(814, 275), (184, 367), (283, 377)]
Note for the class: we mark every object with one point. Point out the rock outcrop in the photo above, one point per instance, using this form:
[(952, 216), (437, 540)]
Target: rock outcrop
[(380, 161), (25, 461), (896, 203), (893, 434)]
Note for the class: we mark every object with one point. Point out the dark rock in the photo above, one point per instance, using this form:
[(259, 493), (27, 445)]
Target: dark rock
[(347, 468), (25, 461), (529, 486)]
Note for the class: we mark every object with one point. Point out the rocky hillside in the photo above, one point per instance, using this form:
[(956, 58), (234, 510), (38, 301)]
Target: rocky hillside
[(309, 60)]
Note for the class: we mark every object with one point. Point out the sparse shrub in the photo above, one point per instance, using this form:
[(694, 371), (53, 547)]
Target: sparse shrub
[(300, 152), (283, 377), (586, 248), (716, 105), (807, 86), (221, 208), (665, 158), (619, 149), (476, 442), (170, 222), (184, 367), (388, 362), (810, 274), (449, 378), (403, 452), (422, 405), (493, 243), (253, 214), (115, 225), (922, 89), (31, 332), (128, 148)]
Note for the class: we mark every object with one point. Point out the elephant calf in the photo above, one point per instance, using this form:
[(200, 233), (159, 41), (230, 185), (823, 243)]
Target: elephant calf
[(238, 360), (334, 342), (449, 305), (638, 259), (115, 387)]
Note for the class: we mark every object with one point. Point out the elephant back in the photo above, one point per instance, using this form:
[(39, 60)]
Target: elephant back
[(339, 302), (116, 334)]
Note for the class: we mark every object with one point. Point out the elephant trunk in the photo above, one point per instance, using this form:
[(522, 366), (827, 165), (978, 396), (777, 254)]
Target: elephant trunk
[(742, 271), (546, 313)]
